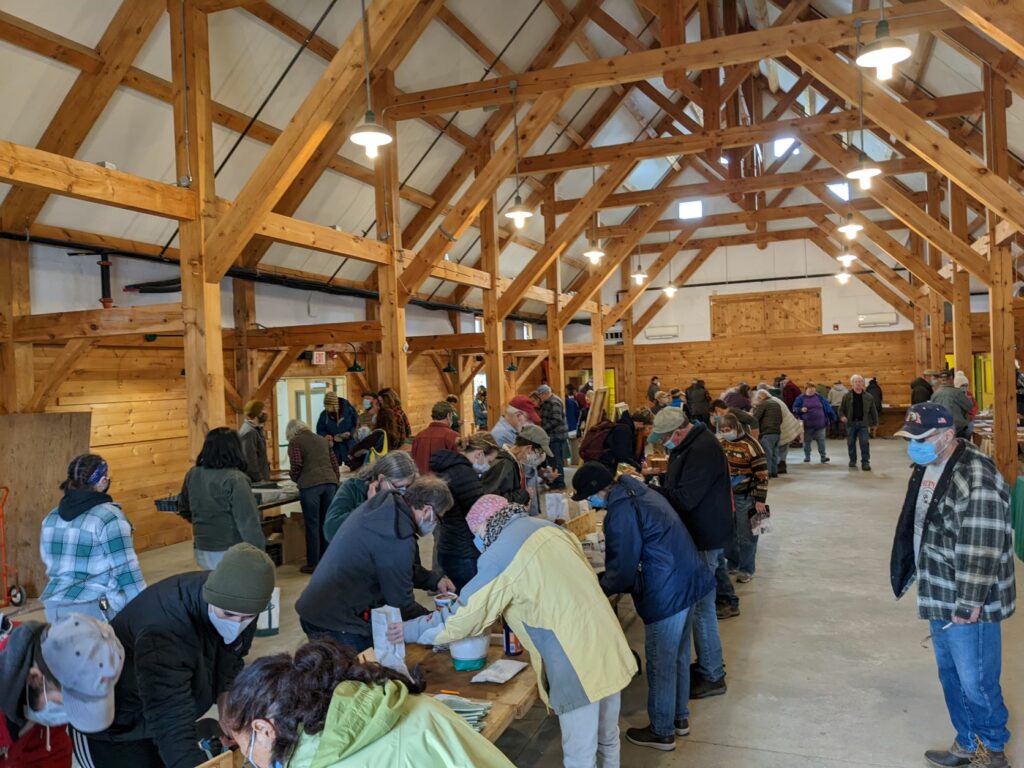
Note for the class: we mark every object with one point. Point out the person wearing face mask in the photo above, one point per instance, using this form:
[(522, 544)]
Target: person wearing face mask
[(698, 487), (54, 675), (373, 561), (437, 436), (370, 404), (254, 442), (323, 707), (506, 476), (748, 474), (650, 555), (337, 424), (86, 546), (314, 468), (462, 470), (185, 639), (954, 535), (394, 470), (534, 574), (533, 448), (747, 422)]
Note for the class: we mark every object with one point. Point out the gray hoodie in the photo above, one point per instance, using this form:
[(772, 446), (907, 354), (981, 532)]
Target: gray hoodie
[(835, 395)]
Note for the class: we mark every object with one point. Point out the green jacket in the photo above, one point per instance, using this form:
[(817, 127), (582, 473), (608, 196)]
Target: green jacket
[(220, 505), (386, 726), (350, 495), (870, 408)]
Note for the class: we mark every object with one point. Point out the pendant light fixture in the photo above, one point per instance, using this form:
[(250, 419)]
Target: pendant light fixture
[(519, 212), (846, 259), (865, 170), (639, 274), (450, 368), (843, 277), (850, 228), (370, 135), (670, 289), (511, 367), (594, 251), (885, 52), (355, 367)]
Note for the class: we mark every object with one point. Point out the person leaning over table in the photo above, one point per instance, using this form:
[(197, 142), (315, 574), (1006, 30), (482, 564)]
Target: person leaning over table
[(217, 499), (373, 562), (534, 574), (393, 470), (323, 708)]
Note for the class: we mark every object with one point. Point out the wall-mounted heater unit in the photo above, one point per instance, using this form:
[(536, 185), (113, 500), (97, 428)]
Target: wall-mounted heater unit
[(877, 320), (662, 332)]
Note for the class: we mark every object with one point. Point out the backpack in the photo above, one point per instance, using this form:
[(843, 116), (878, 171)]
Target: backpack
[(593, 445)]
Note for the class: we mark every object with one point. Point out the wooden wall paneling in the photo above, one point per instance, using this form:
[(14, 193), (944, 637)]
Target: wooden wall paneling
[(769, 313), (15, 300), (35, 450)]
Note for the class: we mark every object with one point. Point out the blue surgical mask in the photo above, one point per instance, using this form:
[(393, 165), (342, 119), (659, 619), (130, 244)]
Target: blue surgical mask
[(670, 445), (228, 629), (717, 419), (479, 543), (596, 501), (51, 715), (250, 763), (921, 452), (481, 468), (367, 403), (730, 436)]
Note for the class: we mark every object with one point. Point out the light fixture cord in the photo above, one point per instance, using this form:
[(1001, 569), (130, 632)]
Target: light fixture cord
[(366, 55), (514, 86), (860, 90)]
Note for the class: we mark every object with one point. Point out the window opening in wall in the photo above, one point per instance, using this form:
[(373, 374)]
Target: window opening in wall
[(781, 147), (840, 190), (691, 209), (302, 398)]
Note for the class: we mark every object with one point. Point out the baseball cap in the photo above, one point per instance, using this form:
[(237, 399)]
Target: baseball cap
[(534, 435), (931, 372), (85, 657), (924, 419), (525, 404), (589, 479), (666, 421), (945, 374)]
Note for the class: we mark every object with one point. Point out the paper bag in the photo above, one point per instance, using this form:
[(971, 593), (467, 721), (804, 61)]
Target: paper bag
[(390, 655)]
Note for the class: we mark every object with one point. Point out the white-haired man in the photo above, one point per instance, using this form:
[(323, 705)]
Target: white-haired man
[(858, 411), (520, 412)]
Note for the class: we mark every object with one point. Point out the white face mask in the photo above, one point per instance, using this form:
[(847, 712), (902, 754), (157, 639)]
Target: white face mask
[(51, 715), (533, 459), (229, 629), (481, 467), (427, 526)]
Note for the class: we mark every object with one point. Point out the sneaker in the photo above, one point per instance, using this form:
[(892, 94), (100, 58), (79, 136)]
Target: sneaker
[(733, 571), (807, 459), (744, 577), (866, 467), (645, 737), (703, 689), (954, 757), (724, 612), (853, 465), (683, 727), (825, 459)]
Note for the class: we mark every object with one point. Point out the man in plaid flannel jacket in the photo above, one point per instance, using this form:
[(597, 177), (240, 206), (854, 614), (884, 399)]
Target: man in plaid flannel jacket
[(954, 534)]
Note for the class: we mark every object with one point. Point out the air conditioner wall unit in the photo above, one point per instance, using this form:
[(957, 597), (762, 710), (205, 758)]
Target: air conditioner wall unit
[(662, 332), (877, 320)]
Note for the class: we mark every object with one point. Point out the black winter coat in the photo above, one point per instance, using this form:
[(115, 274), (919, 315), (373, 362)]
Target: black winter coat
[(698, 400), (505, 478), (697, 484), (620, 446), (176, 665), (453, 535), (920, 391)]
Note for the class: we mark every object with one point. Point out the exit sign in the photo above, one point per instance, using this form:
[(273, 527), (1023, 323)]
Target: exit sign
[(319, 357)]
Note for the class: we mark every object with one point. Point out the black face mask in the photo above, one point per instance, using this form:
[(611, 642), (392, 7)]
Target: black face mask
[(262, 418)]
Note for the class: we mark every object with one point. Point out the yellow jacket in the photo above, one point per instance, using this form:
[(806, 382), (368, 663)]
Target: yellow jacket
[(536, 576)]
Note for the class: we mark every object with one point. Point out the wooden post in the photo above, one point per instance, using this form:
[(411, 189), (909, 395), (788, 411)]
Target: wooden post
[(372, 354), (936, 306), (963, 354), (922, 355), (1000, 290), (394, 372), (200, 299), (556, 359), (627, 389), (597, 353), (16, 375), (494, 337), (247, 374)]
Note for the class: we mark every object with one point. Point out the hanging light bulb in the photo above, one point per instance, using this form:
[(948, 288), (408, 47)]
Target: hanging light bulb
[(843, 277), (370, 135), (850, 228), (594, 252), (846, 259), (639, 274), (519, 212), (885, 52), (864, 172), (670, 290)]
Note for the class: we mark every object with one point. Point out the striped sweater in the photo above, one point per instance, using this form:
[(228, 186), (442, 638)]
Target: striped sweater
[(748, 467)]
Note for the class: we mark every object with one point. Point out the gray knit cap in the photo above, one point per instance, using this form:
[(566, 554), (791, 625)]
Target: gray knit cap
[(243, 581)]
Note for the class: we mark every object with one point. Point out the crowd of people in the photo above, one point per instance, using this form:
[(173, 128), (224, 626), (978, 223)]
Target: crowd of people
[(683, 484)]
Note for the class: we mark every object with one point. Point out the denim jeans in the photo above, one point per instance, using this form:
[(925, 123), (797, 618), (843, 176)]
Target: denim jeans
[(702, 626), (818, 436), (560, 449), (969, 658), (59, 609), (725, 592), (857, 432), (590, 734), (208, 559), (770, 443), (459, 569), (358, 643), (667, 664), (743, 554), (314, 502)]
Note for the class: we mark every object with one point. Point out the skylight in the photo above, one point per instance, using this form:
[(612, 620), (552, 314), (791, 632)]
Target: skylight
[(781, 146), (691, 209), (840, 190)]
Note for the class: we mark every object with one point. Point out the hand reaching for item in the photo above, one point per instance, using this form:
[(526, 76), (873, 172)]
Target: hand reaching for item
[(396, 633), (446, 585)]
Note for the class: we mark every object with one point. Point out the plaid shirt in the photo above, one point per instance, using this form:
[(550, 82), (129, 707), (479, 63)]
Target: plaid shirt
[(552, 418), (90, 557), (966, 555)]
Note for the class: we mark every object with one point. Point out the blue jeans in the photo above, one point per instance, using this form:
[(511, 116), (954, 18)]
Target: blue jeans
[(459, 569), (208, 559), (744, 550), (818, 436), (857, 432), (702, 626), (560, 449), (358, 643), (667, 664), (770, 443), (969, 657), (725, 592), (314, 502)]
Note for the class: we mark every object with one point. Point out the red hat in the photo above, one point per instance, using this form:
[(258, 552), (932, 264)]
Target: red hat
[(525, 404)]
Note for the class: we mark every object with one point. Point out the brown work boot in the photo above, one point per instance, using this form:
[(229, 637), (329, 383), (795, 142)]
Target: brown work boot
[(983, 756), (954, 757)]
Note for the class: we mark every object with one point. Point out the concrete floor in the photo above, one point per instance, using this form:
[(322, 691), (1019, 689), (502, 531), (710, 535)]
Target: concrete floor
[(825, 668)]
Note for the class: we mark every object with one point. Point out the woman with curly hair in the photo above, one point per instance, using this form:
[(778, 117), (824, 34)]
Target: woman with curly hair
[(322, 707)]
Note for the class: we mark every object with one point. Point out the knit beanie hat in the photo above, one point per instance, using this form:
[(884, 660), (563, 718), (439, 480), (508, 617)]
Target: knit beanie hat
[(960, 380), (484, 509), (242, 582), (254, 408), (331, 401)]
